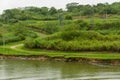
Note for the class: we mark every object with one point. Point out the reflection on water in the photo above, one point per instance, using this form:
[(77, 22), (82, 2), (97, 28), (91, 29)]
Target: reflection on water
[(49, 70)]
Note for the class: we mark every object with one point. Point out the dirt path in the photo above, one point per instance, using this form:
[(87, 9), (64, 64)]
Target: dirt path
[(15, 46)]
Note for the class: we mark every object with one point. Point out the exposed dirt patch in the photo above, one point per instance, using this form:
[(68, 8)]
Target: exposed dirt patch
[(15, 46)]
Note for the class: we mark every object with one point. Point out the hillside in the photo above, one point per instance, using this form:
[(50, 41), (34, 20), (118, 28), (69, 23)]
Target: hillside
[(34, 29)]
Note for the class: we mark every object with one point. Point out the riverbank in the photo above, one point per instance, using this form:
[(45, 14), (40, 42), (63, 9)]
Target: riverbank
[(71, 59), (17, 51)]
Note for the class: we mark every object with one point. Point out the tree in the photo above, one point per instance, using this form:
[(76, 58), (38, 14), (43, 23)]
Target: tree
[(7, 15), (52, 11), (72, 6), (20, 31), (44, 10), (60, 10), (87, 10), (68, 17)]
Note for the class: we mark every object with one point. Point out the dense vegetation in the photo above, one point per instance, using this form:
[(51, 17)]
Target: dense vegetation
[(71, 30), (73, 38), (101, 8), (76, 10), (16, 32)]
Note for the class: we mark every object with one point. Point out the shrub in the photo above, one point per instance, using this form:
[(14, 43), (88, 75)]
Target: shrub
[(68, 17), (69, 35), (82, 24), (29, 43)]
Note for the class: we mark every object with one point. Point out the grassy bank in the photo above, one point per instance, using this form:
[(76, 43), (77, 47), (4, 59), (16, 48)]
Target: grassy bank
[(20, 50)]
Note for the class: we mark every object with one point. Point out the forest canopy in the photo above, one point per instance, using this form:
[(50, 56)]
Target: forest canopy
[(45, 13)]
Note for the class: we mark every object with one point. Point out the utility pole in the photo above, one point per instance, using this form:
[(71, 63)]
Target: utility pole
[(3, 42), (2, 31), (61, 18), (92, 18), (106, 10)]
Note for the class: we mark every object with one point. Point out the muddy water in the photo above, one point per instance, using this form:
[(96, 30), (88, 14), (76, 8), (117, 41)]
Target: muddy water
[(49, 70)]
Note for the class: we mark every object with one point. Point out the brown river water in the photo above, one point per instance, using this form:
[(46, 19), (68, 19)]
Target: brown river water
[(53, 70)]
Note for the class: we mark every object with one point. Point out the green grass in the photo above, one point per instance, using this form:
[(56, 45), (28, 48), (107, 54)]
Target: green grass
[(37, 52)]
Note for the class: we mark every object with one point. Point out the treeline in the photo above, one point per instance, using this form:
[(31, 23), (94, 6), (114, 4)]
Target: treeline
[(29, 13), (45, 13), (100, 8)]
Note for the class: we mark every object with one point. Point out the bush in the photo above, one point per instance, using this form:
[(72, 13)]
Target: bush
[(22, 32), (13, 21), (75, 34), (74, 45), (69, 35), (82, 24), (29, 43), (107, 25), (68, 17), (46, 26), (74, 38)]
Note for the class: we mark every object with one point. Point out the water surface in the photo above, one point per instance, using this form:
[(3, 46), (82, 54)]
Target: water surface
[(50, 70)]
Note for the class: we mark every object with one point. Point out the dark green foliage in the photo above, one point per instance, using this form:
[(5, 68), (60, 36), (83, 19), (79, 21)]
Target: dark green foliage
[(13, 21), (100, 8), (78, 41), (29, 43), (28, 13), (81, 35), (48, 27), (44, 10), (67, 35), (75, 36), (107, 25), (52, 11), (73, 9), (82, 24), (14, 32), (68, 17), (22, 31)]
